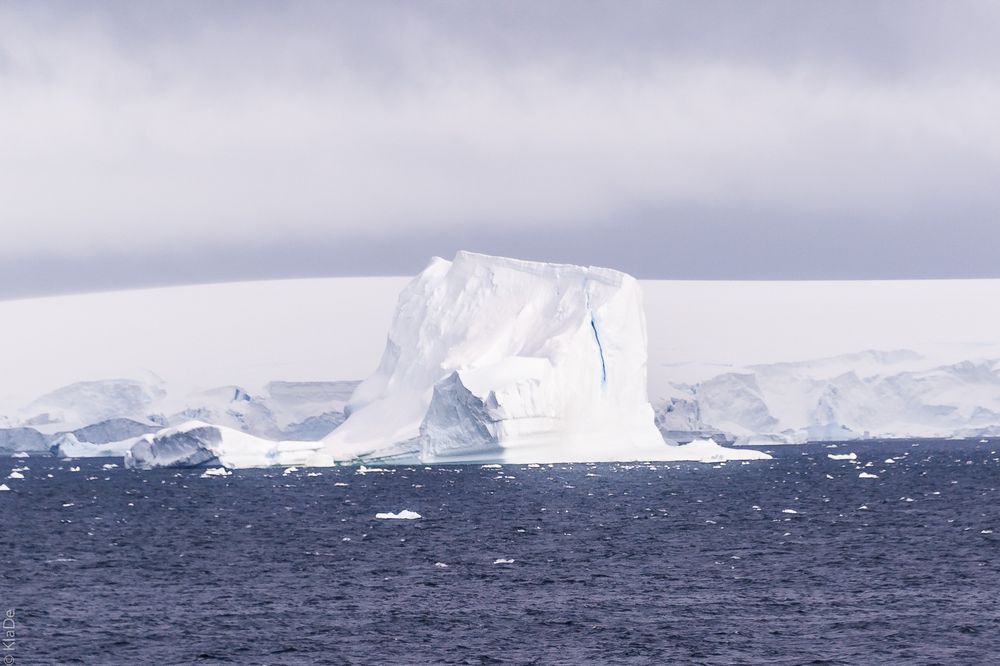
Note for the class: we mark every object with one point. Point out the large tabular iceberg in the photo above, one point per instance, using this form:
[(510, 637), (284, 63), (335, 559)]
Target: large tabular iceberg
[(498, 359)]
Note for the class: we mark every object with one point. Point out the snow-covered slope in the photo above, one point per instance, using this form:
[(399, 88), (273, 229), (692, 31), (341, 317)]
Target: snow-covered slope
[(896, 394), (504, 360)]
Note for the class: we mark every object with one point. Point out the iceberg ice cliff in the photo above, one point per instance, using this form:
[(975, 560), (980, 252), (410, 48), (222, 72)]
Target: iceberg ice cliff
[(504, 360)]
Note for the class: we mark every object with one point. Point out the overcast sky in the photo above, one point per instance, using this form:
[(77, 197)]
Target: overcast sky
[(157, 143)]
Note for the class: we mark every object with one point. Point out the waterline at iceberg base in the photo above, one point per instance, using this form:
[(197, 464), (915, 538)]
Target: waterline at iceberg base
[(487, 359)]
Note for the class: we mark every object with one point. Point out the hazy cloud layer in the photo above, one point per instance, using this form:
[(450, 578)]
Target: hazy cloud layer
[(148, 143)]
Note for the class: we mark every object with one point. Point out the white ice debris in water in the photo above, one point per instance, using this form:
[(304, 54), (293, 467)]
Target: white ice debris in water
[(501, 560), (74, 469), (21, 454), (789, 511), (842, 456), (109, 466), (441, 565), (4, 487), (889, 461), (68, 504), (15, 475), (290, 470), (215, 471), (405, 514), (863, 507), (986, 532), (866, 475), (829, 476), (494, 466)]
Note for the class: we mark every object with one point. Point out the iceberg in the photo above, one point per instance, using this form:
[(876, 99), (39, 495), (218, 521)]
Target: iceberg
[(67, 445), (405, 514), (491, 359), (842, 456), (198, 444), (708, 451)]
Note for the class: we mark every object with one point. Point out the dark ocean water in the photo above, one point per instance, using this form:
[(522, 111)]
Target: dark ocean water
[(612, 564)]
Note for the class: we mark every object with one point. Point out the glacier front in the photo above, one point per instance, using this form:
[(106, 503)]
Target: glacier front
[(495, 359)]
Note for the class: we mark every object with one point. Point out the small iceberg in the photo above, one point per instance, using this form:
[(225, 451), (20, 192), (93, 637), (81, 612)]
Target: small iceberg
[(290, 470), (501, 560), (74, 469), (15, 475), (215, 471), (371, 470), (866, 475), (789, 511), (21, 454), (842, 456), (109, 466), (405, 514), (3, 487)]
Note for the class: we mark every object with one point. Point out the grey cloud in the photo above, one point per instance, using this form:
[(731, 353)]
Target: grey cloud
[(262, 139)]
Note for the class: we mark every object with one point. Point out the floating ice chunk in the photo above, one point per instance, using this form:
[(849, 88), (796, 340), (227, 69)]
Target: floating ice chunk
[(371, 470), (4, 487), (986, 532), (109, 466), (74, 469), (15, 475), (215, 471), (341, 484), (21, 454), (829, 476), (405, 514), (789, 511), (863, 507), (290, 470), (708, 451), (842, 456), (441, 565), (314, 474), (866, 475), (491, 467), (501, 560), (68, 504), (889, 461)]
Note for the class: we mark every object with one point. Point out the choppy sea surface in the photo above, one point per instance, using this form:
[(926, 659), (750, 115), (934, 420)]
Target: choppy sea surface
[(792, 561)]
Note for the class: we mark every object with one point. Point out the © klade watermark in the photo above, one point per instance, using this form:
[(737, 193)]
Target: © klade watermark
[(9, 640)]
